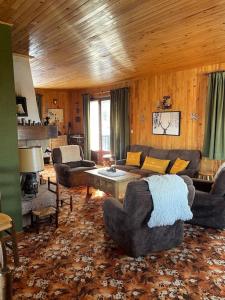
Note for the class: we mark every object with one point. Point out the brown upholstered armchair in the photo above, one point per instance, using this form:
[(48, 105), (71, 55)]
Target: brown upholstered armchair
[(209, 203), (70, 172), (127, 223)]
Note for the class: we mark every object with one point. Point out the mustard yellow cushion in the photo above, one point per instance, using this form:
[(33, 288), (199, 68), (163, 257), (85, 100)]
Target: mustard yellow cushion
[(155, 164), (179, 166), (133, 158)]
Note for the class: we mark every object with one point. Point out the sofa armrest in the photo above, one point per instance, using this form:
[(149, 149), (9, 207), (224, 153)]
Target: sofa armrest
[(189, 172), (202, 185), (204, 199), (61, 169), (87, 163), (121, 162)]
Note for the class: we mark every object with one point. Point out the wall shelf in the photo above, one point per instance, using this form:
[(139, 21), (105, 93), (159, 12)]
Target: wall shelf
[(37, 132)]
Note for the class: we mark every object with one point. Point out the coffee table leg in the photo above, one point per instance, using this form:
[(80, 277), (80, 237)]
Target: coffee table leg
[(88, 191)]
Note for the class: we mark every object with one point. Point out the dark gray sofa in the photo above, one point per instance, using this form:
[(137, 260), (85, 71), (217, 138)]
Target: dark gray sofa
[(194, 156), (71, 173), (209, 203), (127, 223)]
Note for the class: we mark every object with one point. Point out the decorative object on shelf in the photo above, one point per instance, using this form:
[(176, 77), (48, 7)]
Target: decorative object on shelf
[(166, 123), (31, 162), (46, 122), (165, 103), (21, 106)]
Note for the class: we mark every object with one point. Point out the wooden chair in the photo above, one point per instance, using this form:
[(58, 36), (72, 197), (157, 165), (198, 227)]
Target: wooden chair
[(9, 240), (37, 216), (59, 200)]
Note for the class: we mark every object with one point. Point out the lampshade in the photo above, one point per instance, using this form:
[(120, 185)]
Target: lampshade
[(31, 159)]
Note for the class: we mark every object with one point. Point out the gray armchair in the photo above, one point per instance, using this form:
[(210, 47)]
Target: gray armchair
[(72, 173), (127, 223), (209, 204)]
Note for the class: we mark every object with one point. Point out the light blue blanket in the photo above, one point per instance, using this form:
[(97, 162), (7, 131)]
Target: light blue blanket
[(170, 200)]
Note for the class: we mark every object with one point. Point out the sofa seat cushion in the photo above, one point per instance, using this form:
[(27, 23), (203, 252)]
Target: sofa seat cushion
[(79, 169), (126, 168), (74, 164), (143, 173)]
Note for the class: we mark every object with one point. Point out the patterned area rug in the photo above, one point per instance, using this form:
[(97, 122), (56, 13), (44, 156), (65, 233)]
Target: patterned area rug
[(80, 261)]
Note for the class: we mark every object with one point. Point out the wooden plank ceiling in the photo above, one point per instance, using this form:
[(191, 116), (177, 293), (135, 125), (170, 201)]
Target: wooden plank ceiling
[(81, 43)]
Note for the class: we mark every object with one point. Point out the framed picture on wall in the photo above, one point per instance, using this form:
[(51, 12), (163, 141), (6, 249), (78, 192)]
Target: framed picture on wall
[(21, 106), (55, 115), (166, 123)]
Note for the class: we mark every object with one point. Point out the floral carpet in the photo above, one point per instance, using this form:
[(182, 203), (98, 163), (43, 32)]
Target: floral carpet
[(80, 261)]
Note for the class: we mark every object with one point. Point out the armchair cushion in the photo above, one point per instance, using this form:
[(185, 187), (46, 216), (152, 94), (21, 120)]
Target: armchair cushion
[(87, 163)]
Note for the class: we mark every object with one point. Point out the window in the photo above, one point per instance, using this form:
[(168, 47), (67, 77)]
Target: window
[(100, 126)]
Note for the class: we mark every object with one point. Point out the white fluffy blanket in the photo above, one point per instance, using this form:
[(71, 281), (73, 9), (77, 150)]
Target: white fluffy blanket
[(170, 200), (70, 153)]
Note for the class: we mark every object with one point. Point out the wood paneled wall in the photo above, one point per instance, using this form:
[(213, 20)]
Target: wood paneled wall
[(188, 90), (63, 101)]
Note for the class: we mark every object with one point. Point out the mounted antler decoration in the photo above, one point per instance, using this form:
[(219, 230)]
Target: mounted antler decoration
[(165, 128), (166, 123)]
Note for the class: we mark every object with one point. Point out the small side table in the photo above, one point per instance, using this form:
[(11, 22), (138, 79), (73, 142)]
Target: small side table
[(206, 175), (43, 214)]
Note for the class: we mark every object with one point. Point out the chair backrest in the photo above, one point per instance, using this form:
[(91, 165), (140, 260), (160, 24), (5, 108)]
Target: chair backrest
[(138, 202), (57, 155), (218, 187)]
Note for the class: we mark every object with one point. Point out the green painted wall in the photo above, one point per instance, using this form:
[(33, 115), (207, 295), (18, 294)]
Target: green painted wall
[(9, 175)]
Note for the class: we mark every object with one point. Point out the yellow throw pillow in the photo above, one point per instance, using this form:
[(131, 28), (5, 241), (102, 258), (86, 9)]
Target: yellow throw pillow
[(155, 164), (179, 166), (133, 158)]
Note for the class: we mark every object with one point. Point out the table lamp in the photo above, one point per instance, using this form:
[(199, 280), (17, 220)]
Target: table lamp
[(31, 161)]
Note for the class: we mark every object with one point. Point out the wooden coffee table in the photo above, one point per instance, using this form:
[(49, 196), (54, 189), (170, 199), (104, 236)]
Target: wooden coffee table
[(116, 186)]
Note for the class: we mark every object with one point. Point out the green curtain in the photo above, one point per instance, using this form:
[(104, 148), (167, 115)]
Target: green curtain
[(86, 118), (39, 104), (214, 140), (119, 122)]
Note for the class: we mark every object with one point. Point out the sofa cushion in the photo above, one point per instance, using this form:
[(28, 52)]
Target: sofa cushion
[(79, 169), (143, 173), (133, 158), (159, 153), (74, 164), (193, 156), (155, 165), (179, 165), (140, 148), (126, 168)]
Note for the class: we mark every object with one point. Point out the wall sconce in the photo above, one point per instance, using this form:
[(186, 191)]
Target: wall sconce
[(165, 103), (55, 101)]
